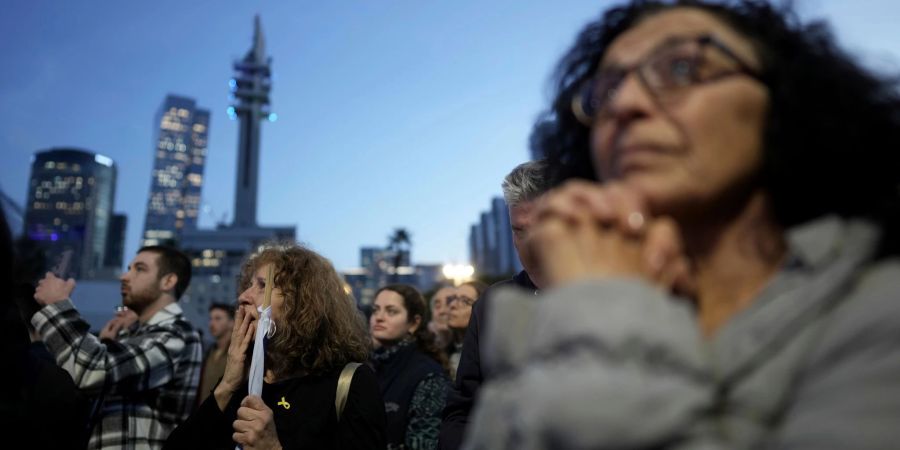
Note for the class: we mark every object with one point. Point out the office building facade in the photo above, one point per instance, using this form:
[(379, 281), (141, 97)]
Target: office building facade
[(178, 164), (69, 208), (491, 248)]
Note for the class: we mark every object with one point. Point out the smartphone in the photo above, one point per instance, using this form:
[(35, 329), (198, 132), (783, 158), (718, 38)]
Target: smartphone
[(63, 262)]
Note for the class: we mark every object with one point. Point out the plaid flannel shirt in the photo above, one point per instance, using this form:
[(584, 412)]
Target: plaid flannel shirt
[(148, 377)]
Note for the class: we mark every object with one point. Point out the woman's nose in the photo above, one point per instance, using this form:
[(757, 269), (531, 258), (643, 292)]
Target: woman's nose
[(245, 298), (631, 98)]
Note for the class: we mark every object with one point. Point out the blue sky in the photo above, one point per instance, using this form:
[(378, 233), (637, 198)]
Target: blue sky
[(391, 113)]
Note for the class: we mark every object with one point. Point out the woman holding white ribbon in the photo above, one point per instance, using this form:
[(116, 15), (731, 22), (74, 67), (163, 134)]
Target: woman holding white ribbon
[(315, 334)]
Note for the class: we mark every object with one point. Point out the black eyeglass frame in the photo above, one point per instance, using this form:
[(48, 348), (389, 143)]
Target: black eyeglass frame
[(586, 92), (461, 298)]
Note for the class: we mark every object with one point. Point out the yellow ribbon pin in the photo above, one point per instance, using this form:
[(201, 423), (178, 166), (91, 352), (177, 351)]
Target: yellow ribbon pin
[(284, 403)]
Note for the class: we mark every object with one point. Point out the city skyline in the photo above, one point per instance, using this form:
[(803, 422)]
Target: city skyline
[(389, 114)]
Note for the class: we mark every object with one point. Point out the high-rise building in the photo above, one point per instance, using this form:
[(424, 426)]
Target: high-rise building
[(507, 260), (115, 241), (250, 87), (70, 201), (490, 242), (178, 162), (217, 255)]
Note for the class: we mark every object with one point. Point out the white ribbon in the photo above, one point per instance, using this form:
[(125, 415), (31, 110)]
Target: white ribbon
[(257, 363), (258, 360)]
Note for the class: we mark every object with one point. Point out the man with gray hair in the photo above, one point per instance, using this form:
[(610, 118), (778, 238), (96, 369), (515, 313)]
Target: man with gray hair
[(521, 190)]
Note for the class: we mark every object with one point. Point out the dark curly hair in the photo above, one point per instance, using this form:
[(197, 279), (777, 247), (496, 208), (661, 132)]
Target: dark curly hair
[(415, 305), (320, 329), (832, 133)]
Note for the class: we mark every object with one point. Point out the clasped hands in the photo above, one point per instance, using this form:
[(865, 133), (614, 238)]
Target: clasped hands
[(588, 230)]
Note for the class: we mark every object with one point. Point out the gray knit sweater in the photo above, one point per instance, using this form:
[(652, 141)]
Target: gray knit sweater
[(812, 363)]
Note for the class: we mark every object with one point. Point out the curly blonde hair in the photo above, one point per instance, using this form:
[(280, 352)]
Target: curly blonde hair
[(320, 330)]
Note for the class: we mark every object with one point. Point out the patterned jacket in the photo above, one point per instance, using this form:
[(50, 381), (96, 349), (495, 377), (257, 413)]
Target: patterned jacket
[(147, 379)]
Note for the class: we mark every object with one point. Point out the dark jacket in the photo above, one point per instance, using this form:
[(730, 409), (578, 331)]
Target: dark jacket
[(469, 375), (400, 371), (39, 403), (304, 414)]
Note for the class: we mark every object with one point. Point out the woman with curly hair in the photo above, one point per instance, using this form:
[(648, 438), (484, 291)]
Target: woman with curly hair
[(726, 273), (410, 368), (317, 332)]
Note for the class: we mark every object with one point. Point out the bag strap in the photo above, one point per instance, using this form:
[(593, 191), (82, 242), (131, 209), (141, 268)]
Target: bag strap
[(343, 388)]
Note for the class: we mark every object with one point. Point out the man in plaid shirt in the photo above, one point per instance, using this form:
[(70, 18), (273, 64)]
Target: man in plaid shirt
[(147, 377)]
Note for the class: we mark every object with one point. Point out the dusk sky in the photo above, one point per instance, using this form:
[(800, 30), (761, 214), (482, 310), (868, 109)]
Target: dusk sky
[(390, 113)]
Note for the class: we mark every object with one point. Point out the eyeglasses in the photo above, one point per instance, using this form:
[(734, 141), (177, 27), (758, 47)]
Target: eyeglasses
[(462, 298), (668, 71)]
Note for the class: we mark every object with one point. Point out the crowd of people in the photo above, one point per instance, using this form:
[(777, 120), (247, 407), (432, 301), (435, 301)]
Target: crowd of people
[(710, 254)]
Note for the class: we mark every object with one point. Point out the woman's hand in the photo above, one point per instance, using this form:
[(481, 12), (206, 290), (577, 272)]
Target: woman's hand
[(255, 425), (236, 364), (586, 230)]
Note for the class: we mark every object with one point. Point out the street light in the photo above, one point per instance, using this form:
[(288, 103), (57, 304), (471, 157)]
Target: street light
[(459, 273)]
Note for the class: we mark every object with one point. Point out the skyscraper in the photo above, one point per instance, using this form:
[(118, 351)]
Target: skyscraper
[(490, 242), (70, 200), (115, 241), (177, 179), (250, 87), (217, 255)]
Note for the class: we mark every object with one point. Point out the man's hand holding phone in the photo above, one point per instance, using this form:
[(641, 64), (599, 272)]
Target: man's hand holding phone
[(52, 289)]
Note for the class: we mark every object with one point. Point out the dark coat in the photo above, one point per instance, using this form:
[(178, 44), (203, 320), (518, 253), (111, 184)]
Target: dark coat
[(469, 375), (399, 375), (304, 416)]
